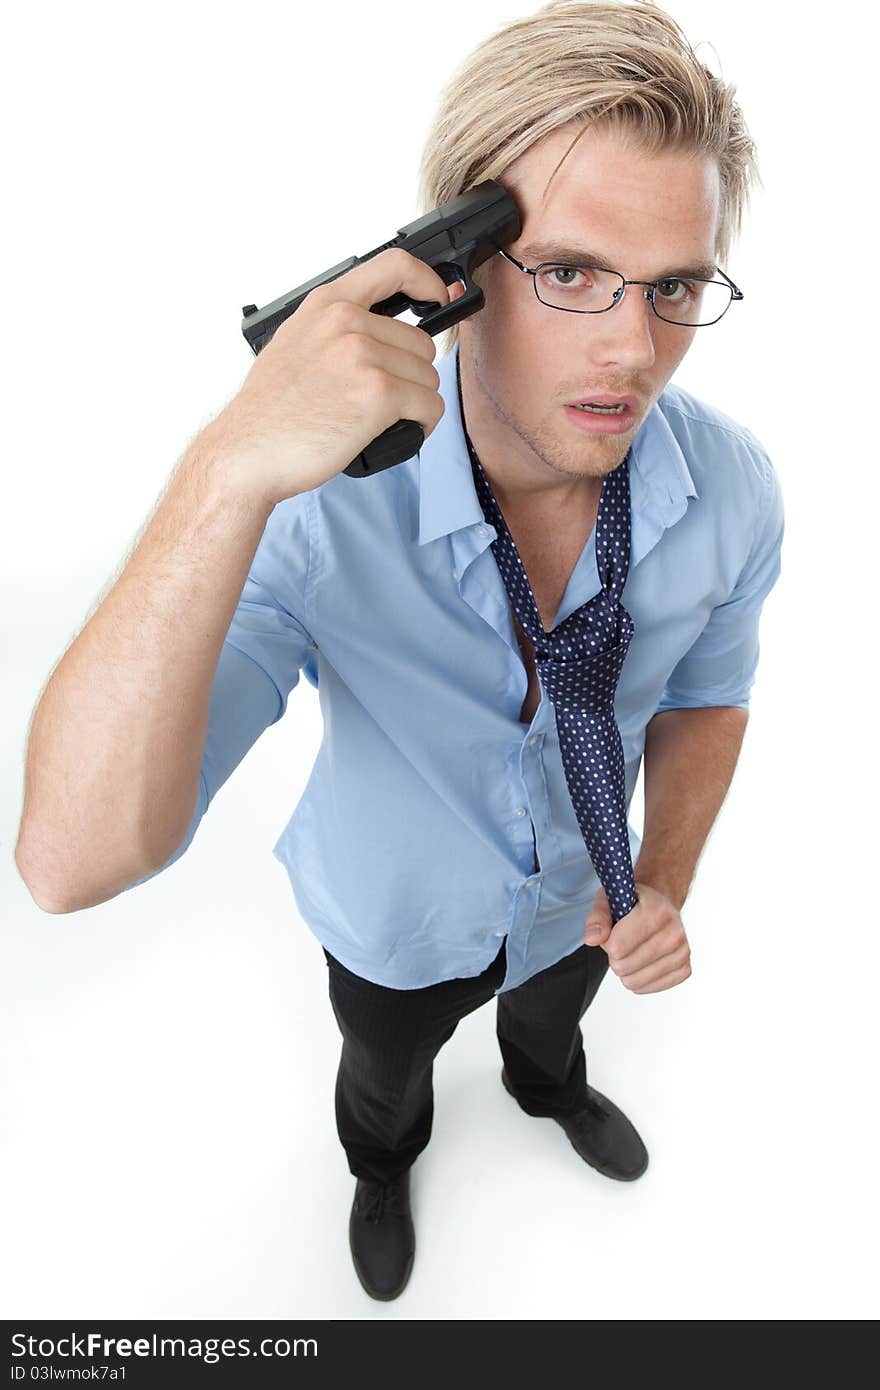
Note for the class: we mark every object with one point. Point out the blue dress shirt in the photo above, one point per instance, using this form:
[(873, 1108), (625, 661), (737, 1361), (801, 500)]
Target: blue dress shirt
[(411, 852)]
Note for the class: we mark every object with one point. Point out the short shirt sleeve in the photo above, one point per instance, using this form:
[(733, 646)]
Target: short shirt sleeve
[(720, 667), (265, 648)]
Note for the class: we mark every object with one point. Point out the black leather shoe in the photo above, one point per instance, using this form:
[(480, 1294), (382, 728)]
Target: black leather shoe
[(382, 1236), (602, 1135)]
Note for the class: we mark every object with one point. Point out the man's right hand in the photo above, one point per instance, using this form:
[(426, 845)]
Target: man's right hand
[(332, 377)]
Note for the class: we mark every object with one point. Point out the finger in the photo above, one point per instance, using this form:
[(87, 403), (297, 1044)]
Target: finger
[(663, 941), (597, 933), (666, 980), (675, 977), (386, 273), (408, 337), (661, 965), (629, 930)]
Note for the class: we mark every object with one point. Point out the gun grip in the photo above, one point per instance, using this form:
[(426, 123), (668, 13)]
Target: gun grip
[(394, 445)]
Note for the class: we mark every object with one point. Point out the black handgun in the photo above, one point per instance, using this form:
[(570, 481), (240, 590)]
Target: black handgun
[(453, 239)]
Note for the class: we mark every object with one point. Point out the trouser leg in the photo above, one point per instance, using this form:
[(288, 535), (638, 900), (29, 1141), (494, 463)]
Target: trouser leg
[(384, 1096), (538, 1029)]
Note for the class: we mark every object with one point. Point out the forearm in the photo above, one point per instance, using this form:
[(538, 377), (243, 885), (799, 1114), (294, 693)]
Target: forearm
[(689, 760), (115, 744)]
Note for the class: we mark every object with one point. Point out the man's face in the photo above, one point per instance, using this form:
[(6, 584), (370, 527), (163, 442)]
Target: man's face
[(522, 361)]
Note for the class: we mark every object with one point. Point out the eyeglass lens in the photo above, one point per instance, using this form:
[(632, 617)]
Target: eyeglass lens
[(587, 289)]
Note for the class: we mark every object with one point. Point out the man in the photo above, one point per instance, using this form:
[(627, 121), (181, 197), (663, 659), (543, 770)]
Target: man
[(436, 852)]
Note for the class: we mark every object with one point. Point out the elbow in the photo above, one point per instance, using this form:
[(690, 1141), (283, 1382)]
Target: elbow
[(44, 901), (56, 909), (63, 907), (48, 899)]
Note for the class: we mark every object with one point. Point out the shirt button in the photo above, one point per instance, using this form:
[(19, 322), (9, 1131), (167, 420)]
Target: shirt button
[(534, 740), (520, 811), (455, 574), (481, 531)]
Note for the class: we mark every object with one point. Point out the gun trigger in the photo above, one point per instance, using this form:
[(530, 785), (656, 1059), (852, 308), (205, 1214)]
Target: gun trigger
[(420, 307), (438, 317)]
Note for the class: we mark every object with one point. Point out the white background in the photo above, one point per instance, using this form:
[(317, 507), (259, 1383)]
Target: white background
[(168, 1141)]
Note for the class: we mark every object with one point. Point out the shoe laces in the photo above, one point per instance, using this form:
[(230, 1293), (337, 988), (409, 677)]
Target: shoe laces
[(594, 1109), (376, 1198)]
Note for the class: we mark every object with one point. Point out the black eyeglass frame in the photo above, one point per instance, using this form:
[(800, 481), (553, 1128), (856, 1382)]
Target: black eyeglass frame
[(649, 292)]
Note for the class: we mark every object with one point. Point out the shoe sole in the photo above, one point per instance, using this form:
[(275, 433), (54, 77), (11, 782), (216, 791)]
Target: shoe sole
[(375, 1293), (600, 1168)]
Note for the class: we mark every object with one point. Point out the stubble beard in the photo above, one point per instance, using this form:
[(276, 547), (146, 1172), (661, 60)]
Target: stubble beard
[(586, 456)]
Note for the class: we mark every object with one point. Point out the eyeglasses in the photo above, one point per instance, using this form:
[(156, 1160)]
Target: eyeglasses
[(693, 303)]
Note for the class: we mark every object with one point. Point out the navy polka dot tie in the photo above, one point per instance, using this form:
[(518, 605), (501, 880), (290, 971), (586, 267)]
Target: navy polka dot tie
[(578, 665)]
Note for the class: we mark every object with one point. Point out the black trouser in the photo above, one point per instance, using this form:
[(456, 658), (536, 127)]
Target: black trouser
[(390, 1037)]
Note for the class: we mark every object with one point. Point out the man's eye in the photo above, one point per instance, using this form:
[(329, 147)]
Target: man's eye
[(566, 272), (684, 284)]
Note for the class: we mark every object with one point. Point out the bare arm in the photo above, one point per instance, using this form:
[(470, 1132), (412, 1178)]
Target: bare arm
[(690, 758), (116, 739)]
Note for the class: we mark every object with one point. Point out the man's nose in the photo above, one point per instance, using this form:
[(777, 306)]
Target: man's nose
[(626, 332)]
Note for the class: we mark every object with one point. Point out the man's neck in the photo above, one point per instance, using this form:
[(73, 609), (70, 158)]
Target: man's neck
[(520, 487)]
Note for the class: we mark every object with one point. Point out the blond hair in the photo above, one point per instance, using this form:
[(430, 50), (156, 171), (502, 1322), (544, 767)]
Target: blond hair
[(623, 66)]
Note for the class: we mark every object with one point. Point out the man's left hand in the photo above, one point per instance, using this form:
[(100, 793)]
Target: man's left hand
[(647, 949)]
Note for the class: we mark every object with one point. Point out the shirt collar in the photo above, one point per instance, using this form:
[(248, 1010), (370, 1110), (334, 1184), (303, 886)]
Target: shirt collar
[(660, 480)]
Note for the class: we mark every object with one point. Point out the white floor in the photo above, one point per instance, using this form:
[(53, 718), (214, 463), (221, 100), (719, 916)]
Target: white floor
[(169, 1147), (167, 1060)]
